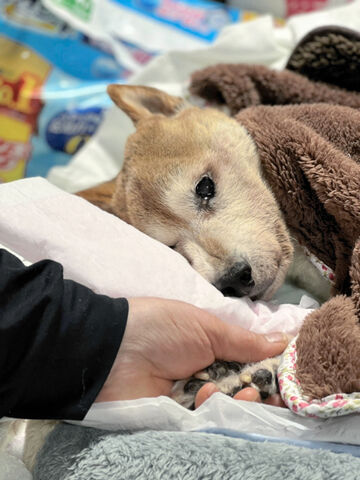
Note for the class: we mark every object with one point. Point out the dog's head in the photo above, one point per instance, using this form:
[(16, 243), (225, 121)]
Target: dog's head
[(191, 179)]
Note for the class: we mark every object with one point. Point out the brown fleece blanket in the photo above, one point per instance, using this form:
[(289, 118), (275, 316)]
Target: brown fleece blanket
[(310, 155), (329, 54)]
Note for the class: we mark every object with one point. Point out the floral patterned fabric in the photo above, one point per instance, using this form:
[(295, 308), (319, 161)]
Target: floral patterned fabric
[(325, 271), (290, 389)]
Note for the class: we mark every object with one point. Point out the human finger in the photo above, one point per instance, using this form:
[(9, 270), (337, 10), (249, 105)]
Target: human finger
[(204, 393), (234, 343), (248, 394)]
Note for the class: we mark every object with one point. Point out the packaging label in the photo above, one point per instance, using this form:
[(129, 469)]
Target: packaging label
[(199, 18), (81, 8), (23, 73), (69, 130)]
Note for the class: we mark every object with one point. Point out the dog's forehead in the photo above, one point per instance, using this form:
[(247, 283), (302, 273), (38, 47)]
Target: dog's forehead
[(167, 156), (186, 135)]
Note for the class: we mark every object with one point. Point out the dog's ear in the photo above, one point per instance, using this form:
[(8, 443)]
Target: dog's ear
[(141, 102)]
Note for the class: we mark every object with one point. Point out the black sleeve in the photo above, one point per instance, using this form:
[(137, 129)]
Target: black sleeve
[(58, 341)]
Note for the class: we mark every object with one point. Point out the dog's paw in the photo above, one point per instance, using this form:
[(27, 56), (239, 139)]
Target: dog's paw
[(262, 376), (230, 378)]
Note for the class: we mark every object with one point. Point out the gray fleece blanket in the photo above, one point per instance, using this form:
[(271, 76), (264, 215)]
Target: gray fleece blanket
[(78, 453)]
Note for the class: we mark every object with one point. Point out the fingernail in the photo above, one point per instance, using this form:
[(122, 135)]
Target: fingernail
[(276, 337)]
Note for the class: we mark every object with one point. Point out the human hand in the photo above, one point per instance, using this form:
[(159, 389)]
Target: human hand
[(167, 340)]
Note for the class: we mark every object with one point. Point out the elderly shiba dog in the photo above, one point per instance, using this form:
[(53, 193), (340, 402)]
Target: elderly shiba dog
[(192, 179)]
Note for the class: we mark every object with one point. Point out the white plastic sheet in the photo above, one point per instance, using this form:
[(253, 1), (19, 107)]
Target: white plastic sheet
[(221, 411)]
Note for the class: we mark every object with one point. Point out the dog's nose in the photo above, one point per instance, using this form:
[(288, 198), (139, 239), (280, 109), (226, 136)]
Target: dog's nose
[(237, 282)]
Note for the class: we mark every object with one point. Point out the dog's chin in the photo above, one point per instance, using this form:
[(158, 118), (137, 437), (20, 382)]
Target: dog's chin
[(233, 293), (258, 293)]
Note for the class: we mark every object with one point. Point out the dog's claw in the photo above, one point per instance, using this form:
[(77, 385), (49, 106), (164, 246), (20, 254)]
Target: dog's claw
[(245, 378), (202, 375)]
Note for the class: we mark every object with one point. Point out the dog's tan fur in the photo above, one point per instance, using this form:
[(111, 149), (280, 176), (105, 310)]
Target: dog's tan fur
[(174, 146)]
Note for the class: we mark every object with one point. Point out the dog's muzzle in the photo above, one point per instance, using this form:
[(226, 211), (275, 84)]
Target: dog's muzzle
[(237, 282)]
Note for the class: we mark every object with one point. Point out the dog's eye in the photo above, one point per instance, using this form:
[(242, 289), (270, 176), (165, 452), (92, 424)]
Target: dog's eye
[(205, 188)]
